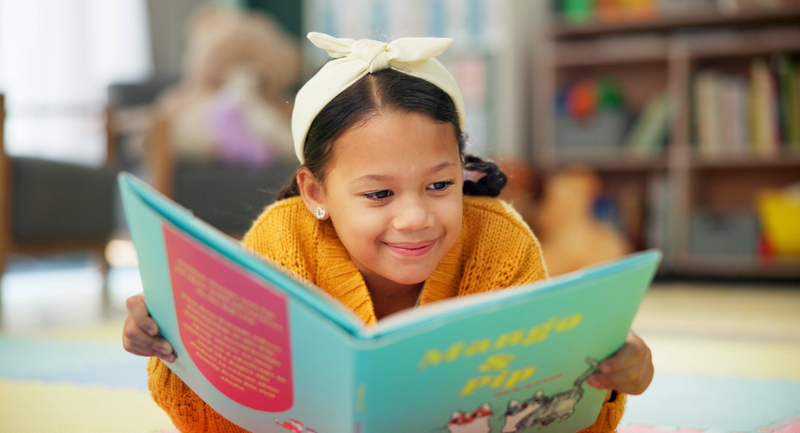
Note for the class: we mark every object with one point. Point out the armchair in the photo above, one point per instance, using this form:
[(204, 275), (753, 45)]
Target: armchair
[(51, 207)]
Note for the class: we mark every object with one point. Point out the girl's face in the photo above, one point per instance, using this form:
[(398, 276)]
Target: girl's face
[(393, 193)]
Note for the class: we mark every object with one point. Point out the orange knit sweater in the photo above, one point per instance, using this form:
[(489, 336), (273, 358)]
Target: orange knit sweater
[(495, 249)]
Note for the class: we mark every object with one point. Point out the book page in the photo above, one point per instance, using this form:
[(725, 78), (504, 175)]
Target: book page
[(235, 328)]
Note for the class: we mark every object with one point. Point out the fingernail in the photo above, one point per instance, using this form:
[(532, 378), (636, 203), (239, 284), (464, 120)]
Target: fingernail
[(605, 368), (597, 383), (165, 350), (152, 332)]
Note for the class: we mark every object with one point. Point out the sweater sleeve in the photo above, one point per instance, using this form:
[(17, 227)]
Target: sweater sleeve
[(188, 412), (609, 417)]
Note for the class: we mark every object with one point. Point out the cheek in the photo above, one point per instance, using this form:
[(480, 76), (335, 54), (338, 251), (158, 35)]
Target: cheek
[(358, 227), (449, 215)]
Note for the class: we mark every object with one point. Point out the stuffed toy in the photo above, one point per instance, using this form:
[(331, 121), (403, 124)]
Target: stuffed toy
[(570, 235), (232, 103)]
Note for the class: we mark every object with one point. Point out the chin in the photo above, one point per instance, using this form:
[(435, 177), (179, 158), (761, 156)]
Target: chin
[(415, 277)]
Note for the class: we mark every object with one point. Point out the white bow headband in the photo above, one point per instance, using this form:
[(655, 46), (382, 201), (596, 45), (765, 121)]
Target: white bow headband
[(355, 59)]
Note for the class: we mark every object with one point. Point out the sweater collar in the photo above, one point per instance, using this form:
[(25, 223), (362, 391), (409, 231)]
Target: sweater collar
[(344, 281)]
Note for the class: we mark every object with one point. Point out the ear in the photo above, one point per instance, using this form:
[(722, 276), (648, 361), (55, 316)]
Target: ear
[(311, 191)]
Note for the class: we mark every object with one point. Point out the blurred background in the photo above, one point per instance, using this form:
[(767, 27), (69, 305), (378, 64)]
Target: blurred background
[(623, 125)]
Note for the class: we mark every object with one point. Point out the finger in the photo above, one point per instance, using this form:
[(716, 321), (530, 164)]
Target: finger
[(630, 381), (596, 381), (620, 376), (138, 310), (140, 350), (132, 331), (136, 352), (162, 346), (630, 354), (134, 336)]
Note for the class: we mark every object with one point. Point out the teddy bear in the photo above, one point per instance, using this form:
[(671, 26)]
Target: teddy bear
[(571, 236), (232, 102)]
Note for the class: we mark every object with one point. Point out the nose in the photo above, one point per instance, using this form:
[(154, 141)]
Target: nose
[(413, 214)]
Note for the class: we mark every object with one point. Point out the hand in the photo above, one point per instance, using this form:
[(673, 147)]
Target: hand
[(629, 371), (140, 333)]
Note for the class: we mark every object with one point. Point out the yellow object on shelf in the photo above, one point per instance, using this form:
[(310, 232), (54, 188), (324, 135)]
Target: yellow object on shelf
[(780, 217)]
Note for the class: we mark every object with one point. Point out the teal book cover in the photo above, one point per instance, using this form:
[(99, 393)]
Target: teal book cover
[(273, 353)]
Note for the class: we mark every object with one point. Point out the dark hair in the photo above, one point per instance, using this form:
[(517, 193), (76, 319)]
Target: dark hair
[(388, 89)]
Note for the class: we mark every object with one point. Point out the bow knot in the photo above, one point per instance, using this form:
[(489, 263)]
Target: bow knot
[(373, 52), (379, 55)]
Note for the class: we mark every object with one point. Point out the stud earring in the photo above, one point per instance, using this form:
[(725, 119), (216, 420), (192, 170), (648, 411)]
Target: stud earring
[(320, 213)]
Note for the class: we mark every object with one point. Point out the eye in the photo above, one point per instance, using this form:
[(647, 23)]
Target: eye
[(440, 186), (378, 195)]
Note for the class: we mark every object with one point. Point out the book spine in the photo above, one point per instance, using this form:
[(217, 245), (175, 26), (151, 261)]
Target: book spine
[(707, 108), (763, 110), (784, 96), (727, 115), (658, 230), (794, 108), (741, 121)]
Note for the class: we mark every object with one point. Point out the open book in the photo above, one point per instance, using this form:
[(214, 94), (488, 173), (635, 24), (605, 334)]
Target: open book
[(272, 353)]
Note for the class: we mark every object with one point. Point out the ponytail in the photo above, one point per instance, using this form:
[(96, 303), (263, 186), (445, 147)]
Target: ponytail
[(290, 189), (490, 184)]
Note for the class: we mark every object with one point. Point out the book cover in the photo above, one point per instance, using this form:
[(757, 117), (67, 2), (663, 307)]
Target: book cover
[(273, 353)]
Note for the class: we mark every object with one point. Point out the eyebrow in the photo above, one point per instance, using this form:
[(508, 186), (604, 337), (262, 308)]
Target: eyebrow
[(384, 178)]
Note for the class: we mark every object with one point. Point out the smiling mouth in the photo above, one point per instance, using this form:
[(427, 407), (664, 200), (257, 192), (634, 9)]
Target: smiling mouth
[(411, 249)]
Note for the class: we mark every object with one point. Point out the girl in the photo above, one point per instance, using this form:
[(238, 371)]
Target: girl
[(380, 216)]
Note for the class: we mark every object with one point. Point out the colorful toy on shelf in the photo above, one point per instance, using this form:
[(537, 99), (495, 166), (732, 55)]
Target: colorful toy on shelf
[(621, 10), (583, 12), (779, 211), (578, 12), (591, 117), (581, 100)]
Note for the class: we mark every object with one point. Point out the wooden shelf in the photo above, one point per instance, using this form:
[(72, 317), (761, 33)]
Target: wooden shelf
[(651, 49), (734, 266), (788, 161), (611, 51), (619, 163), (743, 44), (711, 17)]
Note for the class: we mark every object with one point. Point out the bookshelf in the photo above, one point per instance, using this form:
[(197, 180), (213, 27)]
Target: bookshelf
[(705, 18), (682, 190)]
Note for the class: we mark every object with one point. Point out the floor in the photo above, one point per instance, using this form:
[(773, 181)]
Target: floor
[(727, 357)]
